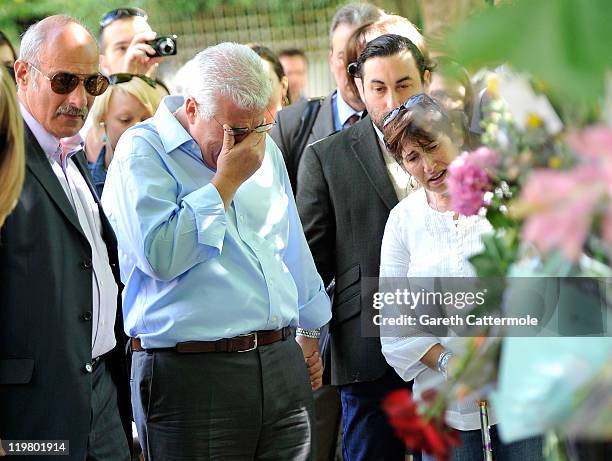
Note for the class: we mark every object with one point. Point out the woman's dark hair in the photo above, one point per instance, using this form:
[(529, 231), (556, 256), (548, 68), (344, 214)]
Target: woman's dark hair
[(353, 48), (5, 41), (420, 121), (388, 45), (387, 24), (267, 54)]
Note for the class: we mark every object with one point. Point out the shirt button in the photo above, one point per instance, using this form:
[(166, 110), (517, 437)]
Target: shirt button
[(86, 264), (274, 319), (88, 367), (86, 316), (241, 218)]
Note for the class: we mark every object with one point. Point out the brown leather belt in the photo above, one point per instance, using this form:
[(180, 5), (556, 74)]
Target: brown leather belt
[(242, 343)]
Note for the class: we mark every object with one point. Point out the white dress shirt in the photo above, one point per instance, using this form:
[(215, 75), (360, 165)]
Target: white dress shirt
[(422, 242), (400, 179), (104, 287), (194, 271)]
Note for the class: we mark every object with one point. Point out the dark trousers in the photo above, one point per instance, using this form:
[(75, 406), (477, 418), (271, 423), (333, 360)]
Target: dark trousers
[(367, 434), (328, 413), (106, 437), (256, 405)]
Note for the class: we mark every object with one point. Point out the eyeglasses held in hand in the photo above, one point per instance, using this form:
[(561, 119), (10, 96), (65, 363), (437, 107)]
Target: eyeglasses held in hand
[(121, 13), (243, 131), (125, 77), (66, 82)]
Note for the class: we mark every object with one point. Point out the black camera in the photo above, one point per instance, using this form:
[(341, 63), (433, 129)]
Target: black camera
[(164, 45)]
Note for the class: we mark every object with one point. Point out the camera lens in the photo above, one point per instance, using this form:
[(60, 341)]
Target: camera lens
[(166, 46)]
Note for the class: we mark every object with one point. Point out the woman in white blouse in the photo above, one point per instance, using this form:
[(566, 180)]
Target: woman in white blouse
[(425, 238)]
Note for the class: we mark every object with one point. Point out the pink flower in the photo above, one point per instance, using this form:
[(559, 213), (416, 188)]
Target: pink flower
[(562, 206), (468, 180), (485, 157), (593, 143)]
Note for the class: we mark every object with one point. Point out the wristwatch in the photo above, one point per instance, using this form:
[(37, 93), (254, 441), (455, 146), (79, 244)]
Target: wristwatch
[(443, 362), (314, 334)]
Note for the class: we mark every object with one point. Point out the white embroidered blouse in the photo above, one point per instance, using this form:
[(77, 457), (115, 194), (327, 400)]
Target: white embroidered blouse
[(422, 242)]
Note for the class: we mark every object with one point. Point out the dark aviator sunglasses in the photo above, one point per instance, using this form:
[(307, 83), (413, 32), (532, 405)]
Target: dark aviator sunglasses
[(66, 82)]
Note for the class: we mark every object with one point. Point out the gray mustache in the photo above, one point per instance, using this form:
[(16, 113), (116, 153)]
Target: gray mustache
[(71, 110)]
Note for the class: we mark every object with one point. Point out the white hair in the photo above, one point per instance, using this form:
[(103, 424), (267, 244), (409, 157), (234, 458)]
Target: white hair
[(36, 37), (231, 70)]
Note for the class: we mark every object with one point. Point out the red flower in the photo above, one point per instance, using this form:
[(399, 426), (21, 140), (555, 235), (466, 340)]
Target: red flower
[(418, 433)]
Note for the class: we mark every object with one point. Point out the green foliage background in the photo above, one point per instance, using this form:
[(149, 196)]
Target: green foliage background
[(16, 15), (564, 43)]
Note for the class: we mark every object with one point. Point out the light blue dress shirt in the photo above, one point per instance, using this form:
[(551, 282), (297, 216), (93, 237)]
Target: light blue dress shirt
[(194, 271)]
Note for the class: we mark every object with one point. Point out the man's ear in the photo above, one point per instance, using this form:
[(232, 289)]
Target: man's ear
[(103, 64), (191, 109), (284, 84), (22, 74)]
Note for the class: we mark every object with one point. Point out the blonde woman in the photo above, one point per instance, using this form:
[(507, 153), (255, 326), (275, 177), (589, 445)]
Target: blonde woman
[(12, 157), (128, 100)]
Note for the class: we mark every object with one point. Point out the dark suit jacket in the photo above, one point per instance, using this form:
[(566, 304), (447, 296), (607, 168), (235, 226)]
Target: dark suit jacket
[(45, 314), (288, 123), (344, 198)]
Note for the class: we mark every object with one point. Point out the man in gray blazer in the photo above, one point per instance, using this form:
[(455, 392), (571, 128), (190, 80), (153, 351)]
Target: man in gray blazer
[(293, 131), (63, 371), (338, 110), (346, 187)]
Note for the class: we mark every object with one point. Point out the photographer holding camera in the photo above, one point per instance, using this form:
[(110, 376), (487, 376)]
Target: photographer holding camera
[(124, 48)]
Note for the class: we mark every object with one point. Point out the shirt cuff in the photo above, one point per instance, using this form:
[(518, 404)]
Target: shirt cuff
[(209, 213), (316, 312), (405, 354)]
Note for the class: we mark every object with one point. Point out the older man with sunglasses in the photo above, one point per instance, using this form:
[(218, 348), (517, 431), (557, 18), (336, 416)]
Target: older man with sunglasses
[(218, 273), (62, 367)]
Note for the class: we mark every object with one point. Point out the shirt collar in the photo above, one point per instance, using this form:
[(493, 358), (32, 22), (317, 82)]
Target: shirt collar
[(46, 140), (344, 110), (170, 130), (381, 136)]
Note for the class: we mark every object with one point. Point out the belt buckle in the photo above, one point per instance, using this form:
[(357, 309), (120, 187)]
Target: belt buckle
[(254, 343)]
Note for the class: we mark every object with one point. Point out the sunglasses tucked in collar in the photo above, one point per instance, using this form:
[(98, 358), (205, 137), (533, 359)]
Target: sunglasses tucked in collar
[(125, 77)]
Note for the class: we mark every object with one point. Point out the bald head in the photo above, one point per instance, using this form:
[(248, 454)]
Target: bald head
[(58, 30)]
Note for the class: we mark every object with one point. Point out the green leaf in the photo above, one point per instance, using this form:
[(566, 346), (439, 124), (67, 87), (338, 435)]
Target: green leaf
[(498, 219), (566, 43)]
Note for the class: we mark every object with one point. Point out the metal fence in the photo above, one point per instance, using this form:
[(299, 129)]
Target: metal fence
[(304, 25)]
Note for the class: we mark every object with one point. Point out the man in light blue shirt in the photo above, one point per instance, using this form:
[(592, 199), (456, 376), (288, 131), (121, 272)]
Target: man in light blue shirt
[(215, 263)]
